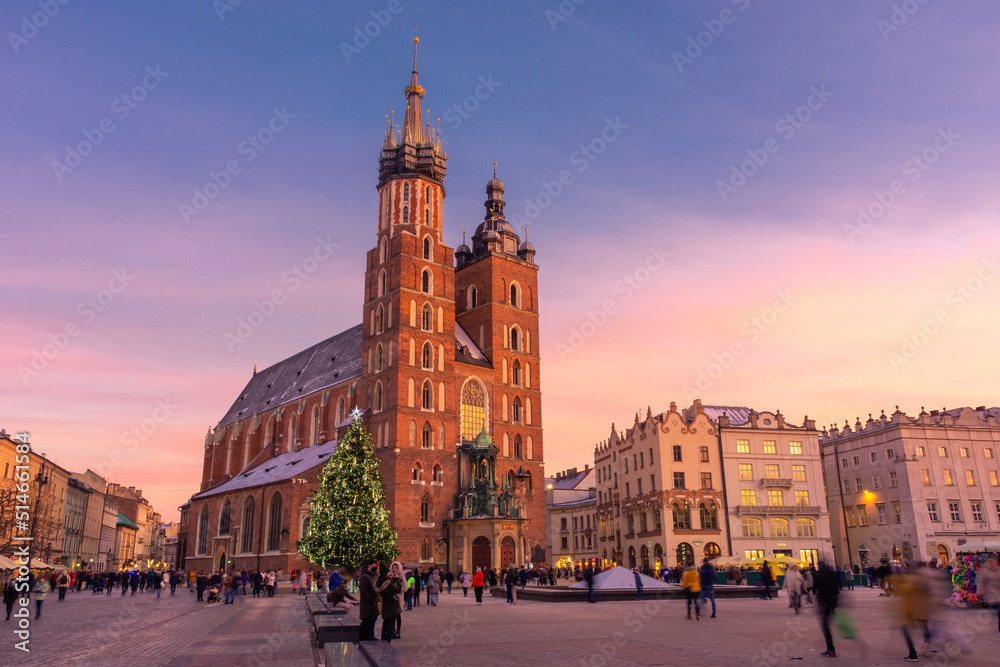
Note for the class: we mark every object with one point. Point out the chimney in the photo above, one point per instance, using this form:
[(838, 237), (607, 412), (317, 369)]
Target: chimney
[(586, 468), (131, 489)]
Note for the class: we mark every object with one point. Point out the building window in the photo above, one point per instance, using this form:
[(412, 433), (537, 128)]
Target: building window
[(772, 471), (473, 409), (805, 528), (775, 497), (970, 478), (798, 473), (843, 463), (977, 511), (652, 482), (203, 531), (427, 357), (515, 374), (427, 396), (677, 454), (746, 471), (274, 524), (748, 498), (630, 520), (752, 528), (882, 517), (427, 437), (921, 451), (565, 543), (742, 446), (932, 512), (679, 480), (417, 471), (425, 548), (513, 296), (954, 510), (249, 510), (224, 518), (897, 516), (847, 486), (943, 452), (795, 447), (925, 476), (643, 527), (889, 454), (518, 450), (876, 481), (706, 480), (862, 515), (656, 519), (642, 460), (770, 447), (406, 192), (406, 214), (425, 509), (682, 516), (963, 452), (988, 453), (426, 318), (802, 498), (650, 456), (513, 339), (857, 460), (778, 527), (893, 482), (994, 480), (873, 456), (946, 477), (627, 491), (562, 523), (515, 411), (709, 516), (638, 484), (859, 487), (425, 281), (851, 520), (703, 452)]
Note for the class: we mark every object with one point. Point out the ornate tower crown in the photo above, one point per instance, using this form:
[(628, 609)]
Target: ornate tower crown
[(413, 149)]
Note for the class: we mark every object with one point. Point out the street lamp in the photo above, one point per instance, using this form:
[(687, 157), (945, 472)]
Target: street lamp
[(41, 479)]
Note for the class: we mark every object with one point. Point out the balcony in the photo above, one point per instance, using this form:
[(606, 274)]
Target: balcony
[(778, 509), (776, 482)]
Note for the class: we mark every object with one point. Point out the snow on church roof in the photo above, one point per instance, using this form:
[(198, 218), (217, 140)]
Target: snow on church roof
[(277, 469)]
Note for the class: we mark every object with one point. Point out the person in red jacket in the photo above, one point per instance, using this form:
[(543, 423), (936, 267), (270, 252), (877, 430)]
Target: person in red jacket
[(477, 584)]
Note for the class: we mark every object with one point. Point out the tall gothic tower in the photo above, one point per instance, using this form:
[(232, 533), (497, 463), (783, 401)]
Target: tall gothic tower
[(408, 343)]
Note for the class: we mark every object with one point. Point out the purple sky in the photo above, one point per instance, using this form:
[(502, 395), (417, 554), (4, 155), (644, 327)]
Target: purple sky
[(712, 205)]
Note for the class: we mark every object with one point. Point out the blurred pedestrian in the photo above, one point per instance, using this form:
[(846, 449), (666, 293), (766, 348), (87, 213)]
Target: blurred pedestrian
[(827, 584), (40, 589), (793, 586), (464, 579), (691, 584), (914, 609), (708, 584), (588, 575), (766, 580), (988, 585), (477, 584), (638, 583)]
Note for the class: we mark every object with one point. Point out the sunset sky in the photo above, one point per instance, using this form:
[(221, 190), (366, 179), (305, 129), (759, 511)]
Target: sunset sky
[(718, 153)]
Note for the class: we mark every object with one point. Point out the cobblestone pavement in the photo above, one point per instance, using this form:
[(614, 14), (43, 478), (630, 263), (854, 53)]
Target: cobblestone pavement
[(746, 632), (113, 631)]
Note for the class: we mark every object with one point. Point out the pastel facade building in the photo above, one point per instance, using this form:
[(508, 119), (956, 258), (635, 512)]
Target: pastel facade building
[(571, 507), (913, 488)]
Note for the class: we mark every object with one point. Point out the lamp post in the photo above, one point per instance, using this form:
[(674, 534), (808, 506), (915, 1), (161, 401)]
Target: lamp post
[(41, 479)]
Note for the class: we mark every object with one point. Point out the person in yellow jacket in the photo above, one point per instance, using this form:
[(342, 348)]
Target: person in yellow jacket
[(691, 584)]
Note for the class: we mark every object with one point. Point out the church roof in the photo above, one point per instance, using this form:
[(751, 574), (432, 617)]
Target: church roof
[(277, 469), (323, 365), (474, 354)]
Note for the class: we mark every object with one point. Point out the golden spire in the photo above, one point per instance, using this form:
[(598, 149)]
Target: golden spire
[(255, 367)]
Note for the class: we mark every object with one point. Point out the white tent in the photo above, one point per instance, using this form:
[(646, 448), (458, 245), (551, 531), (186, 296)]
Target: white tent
[(620, 578), (977, 547)]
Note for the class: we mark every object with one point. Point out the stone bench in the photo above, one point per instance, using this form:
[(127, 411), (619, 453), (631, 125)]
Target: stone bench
[(340, 628), (317, 605), (375, 653)]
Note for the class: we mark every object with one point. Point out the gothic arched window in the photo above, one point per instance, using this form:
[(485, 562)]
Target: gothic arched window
[(427, 357), (203, 531), (274, 524), (514, 338), (427, 437), (224, 518), (427, 247), (406, 214), (249, 510), (406, 191), (473, 409), (427, 396), (426, 509), (425, 282)]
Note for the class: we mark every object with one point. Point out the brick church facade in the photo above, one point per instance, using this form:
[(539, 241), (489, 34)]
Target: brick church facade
[(444, 368)]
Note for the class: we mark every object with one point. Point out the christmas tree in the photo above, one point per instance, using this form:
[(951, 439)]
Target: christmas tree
[(348, 522)]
